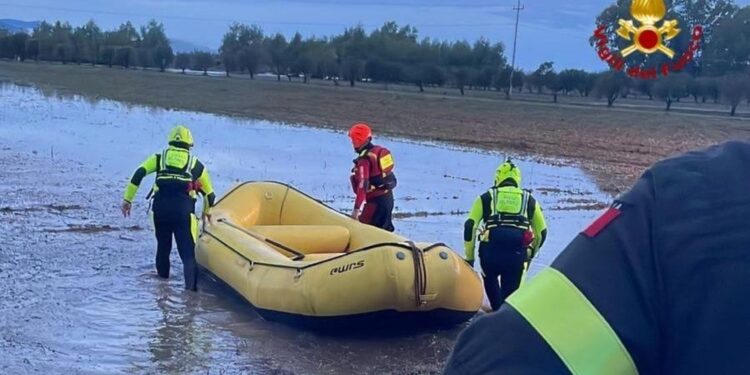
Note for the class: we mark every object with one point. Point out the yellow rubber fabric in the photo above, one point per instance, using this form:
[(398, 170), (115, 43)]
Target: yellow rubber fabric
[(194, 227)]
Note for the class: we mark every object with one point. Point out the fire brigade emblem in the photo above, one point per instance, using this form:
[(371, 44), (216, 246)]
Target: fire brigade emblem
[(648, 36)]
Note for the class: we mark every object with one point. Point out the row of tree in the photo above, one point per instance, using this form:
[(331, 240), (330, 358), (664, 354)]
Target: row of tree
[(394, 54), (611, 85), (390, 54), (125, 46), (731, 88)]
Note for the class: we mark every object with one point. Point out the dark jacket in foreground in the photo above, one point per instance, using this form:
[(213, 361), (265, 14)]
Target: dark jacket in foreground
[(660, 284)]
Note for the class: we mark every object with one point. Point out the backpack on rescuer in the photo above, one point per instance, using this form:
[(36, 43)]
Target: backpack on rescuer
[(381, 168)]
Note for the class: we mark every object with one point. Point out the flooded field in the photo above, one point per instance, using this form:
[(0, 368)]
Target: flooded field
[(79, 292)]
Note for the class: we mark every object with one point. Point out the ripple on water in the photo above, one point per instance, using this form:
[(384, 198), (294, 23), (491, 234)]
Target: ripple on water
[(90, 302)]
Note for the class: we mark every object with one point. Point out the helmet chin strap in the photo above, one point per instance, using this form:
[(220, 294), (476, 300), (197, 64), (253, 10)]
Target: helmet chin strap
[(364, 145)]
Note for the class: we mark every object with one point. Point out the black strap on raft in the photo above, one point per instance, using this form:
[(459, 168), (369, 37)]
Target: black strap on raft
[(420, 273), (150, 201), (373, 247), (297, 254)]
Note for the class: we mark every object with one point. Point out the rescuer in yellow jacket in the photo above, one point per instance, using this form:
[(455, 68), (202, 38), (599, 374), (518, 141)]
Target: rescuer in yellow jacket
[(180, 177), (511, 230)]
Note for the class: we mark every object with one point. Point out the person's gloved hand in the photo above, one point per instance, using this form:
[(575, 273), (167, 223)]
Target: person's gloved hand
[(207, 218), (531, 253), (125, 208), (470, 262)]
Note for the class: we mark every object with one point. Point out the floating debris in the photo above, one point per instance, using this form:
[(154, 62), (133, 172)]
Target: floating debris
[(461, 178), (10, 210), (582, 207), (406, 215), (61, 208), (49, 207), (91, 229)]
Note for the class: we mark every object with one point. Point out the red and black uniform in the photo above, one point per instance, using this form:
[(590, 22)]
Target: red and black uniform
[(373, 182)]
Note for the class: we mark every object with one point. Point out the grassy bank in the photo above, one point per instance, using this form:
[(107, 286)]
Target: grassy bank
[(614, 144)]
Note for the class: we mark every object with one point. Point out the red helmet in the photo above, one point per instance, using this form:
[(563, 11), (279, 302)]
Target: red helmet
[(360, 133)]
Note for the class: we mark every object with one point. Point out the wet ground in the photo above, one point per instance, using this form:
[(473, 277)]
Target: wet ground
[(79, 292)]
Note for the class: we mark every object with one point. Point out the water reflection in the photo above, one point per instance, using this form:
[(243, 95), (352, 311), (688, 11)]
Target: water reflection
[(129, 322), (179, 343)]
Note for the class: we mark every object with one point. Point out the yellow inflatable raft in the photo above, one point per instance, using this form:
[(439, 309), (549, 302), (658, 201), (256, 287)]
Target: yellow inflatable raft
[(300, 262)]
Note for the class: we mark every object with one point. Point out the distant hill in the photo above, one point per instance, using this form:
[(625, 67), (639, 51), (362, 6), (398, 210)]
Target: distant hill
[(179, 46), (15, 26)]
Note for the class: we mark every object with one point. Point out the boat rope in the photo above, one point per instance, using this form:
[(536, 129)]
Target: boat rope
[(420, 273)]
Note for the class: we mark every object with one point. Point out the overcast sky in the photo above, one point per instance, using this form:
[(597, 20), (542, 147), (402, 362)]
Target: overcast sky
[(555, 30)]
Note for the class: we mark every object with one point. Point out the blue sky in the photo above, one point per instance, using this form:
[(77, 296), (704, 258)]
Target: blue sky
[(550, 29)]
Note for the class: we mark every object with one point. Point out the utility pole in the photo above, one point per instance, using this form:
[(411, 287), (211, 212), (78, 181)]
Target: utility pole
[(518, 8)]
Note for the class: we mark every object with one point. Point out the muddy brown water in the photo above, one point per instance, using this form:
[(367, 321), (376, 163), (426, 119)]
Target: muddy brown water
[(78, 292), (89, 302)]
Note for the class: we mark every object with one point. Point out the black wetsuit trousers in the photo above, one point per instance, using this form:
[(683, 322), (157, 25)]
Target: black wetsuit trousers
[(503, 256), (173, 218), (378, 212)]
